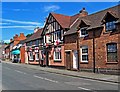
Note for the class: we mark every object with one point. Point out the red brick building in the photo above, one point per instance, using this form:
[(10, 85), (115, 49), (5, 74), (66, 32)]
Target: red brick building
[(13, 44), (93, 42)]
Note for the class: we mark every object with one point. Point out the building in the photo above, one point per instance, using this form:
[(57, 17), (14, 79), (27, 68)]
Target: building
[(55, 27), (34, 48), (93, 44), (14, 50), (7, 52)]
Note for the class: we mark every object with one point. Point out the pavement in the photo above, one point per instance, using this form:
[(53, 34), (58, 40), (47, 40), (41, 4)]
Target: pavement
[(79, 74)]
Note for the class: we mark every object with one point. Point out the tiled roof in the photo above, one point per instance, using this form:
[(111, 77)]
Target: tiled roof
[(35, 36), (63, 20), (95, 19)]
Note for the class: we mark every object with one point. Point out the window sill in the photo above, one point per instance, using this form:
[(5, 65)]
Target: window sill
[(58, 60), (112, 62), (84, 62)]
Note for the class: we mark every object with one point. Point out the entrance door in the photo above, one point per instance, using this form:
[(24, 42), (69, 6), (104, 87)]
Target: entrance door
[(68, 60), (75, 59)]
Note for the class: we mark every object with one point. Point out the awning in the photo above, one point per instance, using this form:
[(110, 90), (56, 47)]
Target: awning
[(16, 52)]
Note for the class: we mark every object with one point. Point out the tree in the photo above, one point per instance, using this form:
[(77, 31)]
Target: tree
[(28, 35)]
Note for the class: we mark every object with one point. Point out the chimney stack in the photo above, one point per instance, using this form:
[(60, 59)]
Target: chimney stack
[(36, 29), (83, 12), (11, 40), (21, 34)]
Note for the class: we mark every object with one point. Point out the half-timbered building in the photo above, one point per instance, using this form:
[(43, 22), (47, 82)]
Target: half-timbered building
[(55, 27)]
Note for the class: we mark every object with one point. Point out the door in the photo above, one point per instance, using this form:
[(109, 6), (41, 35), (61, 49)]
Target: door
[(75, 59), (68, 60)]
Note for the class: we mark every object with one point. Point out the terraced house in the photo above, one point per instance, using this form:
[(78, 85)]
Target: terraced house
[(93, 42), (33, 48)]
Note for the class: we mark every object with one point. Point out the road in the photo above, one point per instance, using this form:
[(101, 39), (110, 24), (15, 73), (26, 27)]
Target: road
[(21, 78)]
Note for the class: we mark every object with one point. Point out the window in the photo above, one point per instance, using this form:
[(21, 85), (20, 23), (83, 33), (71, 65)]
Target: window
[(83, 32), (57, 53), (84, 54), (30, 56), (112, 52), (37, 42), (110, 26), (37, 56), (57, 35)]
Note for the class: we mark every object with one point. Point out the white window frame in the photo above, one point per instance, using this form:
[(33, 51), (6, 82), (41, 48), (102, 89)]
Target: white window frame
[(83, 47), (81, 32), (30, 58), (57, 59), (37, 56)]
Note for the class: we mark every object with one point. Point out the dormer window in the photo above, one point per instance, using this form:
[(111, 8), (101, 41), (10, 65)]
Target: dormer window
[(110, 26), (83, 32)]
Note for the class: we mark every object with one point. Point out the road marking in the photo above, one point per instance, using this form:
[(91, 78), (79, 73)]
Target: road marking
[(84, 88), (45, 79), (20, 72), (38, 77)]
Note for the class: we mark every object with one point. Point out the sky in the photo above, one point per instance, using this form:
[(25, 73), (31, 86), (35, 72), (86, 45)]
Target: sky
[(23, 17)]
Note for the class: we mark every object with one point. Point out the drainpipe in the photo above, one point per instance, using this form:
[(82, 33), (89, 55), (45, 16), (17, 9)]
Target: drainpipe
[(78, 50), (94, 51)]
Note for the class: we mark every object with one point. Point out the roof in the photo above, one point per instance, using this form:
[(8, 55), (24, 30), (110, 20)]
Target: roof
[(35, 36), (22, 41), (63, 20), (95, 19)]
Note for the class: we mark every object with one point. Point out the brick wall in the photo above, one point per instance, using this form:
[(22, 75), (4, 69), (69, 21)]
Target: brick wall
[(101, 39), (22, 54)]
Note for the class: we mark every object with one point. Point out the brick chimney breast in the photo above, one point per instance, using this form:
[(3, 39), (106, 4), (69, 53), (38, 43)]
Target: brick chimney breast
[(36, 29), (83, 12), (21, 34)]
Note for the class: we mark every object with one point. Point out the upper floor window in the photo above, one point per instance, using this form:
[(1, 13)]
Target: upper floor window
[(112, 52), (83, 32), (57, 35), (110, 26)]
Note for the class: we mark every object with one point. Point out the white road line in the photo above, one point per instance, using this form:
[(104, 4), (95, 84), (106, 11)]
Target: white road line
[(20, 72), (45, 79), (38, 77), (84, 88)]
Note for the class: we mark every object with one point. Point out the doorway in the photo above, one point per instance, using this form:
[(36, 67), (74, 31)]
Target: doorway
[(75, 59), (68, 60)]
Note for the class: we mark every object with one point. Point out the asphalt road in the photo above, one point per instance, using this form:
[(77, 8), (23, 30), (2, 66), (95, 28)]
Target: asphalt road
[(21, 78)]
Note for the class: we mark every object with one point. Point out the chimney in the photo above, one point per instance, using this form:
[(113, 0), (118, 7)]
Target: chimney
[(21, 34), (15, 37), (83, 12), (36, 29), (11, 40)]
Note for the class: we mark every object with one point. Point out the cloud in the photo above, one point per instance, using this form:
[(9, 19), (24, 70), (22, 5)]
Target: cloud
[(51, 8), (21, 22), (24, 27), (2, 23)]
